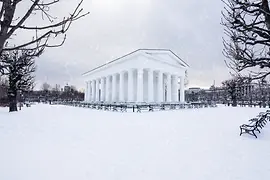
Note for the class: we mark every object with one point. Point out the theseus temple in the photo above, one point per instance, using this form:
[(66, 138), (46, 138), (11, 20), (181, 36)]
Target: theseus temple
[(145, 75)]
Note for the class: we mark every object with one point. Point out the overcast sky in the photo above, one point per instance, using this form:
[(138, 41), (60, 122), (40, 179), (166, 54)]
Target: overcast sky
[(190, 28)]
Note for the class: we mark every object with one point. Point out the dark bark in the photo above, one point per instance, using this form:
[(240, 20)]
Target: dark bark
[(12, 92), (56, 27), (234, 101), (12, 101)]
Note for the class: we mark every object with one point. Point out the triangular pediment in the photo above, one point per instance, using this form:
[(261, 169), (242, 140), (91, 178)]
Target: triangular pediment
[(159, 55), (166, 56)]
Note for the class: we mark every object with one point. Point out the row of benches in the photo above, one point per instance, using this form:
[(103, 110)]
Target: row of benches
[(255, 124), (137, 108)]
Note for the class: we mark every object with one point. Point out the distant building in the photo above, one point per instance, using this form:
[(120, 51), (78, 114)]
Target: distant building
[(193, 90), (67, 88), (246, 92), (211, 94), (247, 89)]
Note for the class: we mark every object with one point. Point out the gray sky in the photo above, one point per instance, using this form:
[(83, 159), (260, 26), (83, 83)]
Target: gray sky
[(116, 27)]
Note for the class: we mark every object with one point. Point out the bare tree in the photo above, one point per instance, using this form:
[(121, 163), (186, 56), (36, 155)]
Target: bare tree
[(247, 25), (56, 88), (232, 87), (41, 35), (19, 66), (45, 87)]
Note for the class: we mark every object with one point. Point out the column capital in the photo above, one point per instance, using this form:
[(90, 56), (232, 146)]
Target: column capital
[(140, 71), (159, 71), (150, 70), (122, 72)]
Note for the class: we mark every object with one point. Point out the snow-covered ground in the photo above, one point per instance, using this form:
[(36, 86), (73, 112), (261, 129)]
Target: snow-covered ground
[(67, 143)]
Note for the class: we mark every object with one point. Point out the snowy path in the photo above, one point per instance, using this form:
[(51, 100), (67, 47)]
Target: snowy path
[(65, 143)]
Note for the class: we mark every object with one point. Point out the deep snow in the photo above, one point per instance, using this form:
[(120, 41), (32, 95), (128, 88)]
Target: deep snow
[(68, 143)]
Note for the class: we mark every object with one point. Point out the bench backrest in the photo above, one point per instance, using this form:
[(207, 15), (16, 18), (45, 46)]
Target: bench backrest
[(262, 118)]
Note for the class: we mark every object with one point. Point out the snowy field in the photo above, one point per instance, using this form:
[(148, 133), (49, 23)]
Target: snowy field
[(67, 143)]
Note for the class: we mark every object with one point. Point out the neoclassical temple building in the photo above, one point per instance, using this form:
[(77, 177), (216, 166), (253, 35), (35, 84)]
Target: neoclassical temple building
[(145, 75)]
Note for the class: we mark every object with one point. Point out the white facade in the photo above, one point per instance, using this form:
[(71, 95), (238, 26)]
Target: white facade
[(144, 75)]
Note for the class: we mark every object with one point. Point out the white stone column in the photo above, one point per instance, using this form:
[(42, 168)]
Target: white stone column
[(113, 87), (89, 91), (97, 90), (160, 86), (93, 86), (108, 89), (86, 95), (175, 89), (102, 88), (121, 87), (139, 85), (131, 85), (169, 87), (150, 86), (182, 89)]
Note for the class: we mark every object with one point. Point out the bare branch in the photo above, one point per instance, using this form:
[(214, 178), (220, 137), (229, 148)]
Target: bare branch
[(49, 31), (247, 25)]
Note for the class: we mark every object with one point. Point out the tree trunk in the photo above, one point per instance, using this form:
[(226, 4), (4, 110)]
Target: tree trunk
[(12, 97), (234, 101), (12, 102)]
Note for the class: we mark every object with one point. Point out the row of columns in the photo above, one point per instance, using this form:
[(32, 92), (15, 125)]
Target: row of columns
[(107, 89)]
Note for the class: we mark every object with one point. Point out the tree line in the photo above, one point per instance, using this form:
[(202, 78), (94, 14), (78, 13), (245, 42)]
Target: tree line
[(54, 93)]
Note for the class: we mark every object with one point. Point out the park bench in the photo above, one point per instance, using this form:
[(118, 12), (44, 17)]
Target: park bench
[(93, 106), (201, 106), (115, 108), (265, 117), (151, 108), (189, 106), (181, 106), (162, 107), (123, 108), (106, 107), (253, 126), (144, 107), (196, 106), (172, 106), (28, 104), (260, 120), (99, 107), (139, 108), (250, 128)]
